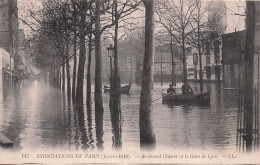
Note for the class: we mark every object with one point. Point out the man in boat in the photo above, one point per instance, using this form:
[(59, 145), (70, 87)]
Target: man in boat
[(171, 90), (186, 89)]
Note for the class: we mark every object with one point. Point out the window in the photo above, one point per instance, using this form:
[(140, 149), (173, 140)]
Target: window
[(3, 23), (207, 48), (4, 15), (191, 69)]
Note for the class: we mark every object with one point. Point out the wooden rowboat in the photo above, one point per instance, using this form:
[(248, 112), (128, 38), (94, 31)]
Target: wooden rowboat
[(124, 89), (203, 98)]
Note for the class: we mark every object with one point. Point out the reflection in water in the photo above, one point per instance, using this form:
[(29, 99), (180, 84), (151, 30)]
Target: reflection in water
[(99, 128), (81, 123), (89, 130), (40, 116), (116, 119), (16, 117)]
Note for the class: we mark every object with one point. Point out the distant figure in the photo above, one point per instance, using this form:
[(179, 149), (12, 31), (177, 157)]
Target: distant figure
[(171, 90), (186, 89)]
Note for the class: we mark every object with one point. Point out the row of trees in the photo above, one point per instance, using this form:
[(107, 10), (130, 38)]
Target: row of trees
[(190, 24), (61, 31), (183, 23), (69, 26)]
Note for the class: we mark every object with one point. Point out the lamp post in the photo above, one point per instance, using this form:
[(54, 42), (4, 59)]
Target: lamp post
[(110, 53)]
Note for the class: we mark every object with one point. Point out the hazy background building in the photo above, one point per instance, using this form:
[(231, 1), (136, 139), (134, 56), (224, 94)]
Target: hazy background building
[(9, 28)]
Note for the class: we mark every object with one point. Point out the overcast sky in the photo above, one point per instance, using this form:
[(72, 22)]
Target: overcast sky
[(233, 21)]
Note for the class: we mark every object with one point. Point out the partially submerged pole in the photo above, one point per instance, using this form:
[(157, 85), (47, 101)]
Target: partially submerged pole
[(249, 69)]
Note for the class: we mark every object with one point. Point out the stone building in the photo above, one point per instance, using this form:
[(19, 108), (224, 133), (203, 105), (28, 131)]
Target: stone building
[(5, 69), (211, 61), (233, 45), (9, 28)]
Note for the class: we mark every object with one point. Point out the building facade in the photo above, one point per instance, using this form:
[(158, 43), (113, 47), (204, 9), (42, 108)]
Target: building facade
[(5, 61), (9, 28), (233, 45), (210, 59)]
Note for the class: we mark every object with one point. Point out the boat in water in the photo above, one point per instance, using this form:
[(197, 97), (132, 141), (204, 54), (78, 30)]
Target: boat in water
[(124, 89), (201, 98)]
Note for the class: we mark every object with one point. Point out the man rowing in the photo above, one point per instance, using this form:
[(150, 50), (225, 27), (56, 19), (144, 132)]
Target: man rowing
[(171, 90), (186, 89)]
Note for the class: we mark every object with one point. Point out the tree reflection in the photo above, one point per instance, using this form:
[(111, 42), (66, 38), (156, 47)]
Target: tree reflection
[(116, 119), (89, 120), (99, 128), (81, 124)]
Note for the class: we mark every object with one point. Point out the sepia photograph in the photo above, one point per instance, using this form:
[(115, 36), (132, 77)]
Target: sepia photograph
[(129, 81)]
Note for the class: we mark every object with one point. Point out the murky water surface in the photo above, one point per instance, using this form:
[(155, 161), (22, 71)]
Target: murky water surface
[(39, 116)]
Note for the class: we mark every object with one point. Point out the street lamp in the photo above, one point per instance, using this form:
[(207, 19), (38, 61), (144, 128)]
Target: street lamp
[(110, 53)]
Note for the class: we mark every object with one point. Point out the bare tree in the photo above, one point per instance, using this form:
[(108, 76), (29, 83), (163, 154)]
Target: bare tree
[(200, 34), (83, 7), (98, 68), (90, 48), (175, 17), (217, 26), (75, 18), (147, 137), (126, 8), (168, 41), (58, 18)]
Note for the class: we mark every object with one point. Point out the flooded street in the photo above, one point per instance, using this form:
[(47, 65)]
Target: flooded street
[(39, 116), (133, 81)]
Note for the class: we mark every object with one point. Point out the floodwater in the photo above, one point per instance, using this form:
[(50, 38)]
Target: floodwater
[(39, 116)]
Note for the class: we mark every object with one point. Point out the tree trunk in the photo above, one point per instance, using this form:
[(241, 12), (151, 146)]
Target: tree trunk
[(88, 101), (217, 70), (115, 85), (98, 56), (52, 76), (147, 137), (200, 63), (58, 73), (200, 55), (74, 66), (171, 48), (249, 68), (200, 72), (11, 37), (82, 52), (184, 63), (63, 73), (68, 66)]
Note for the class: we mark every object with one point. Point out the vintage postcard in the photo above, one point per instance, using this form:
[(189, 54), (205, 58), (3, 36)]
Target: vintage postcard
[(129, 81)]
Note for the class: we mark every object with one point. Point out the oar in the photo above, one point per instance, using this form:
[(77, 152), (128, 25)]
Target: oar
[(162, 96)]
